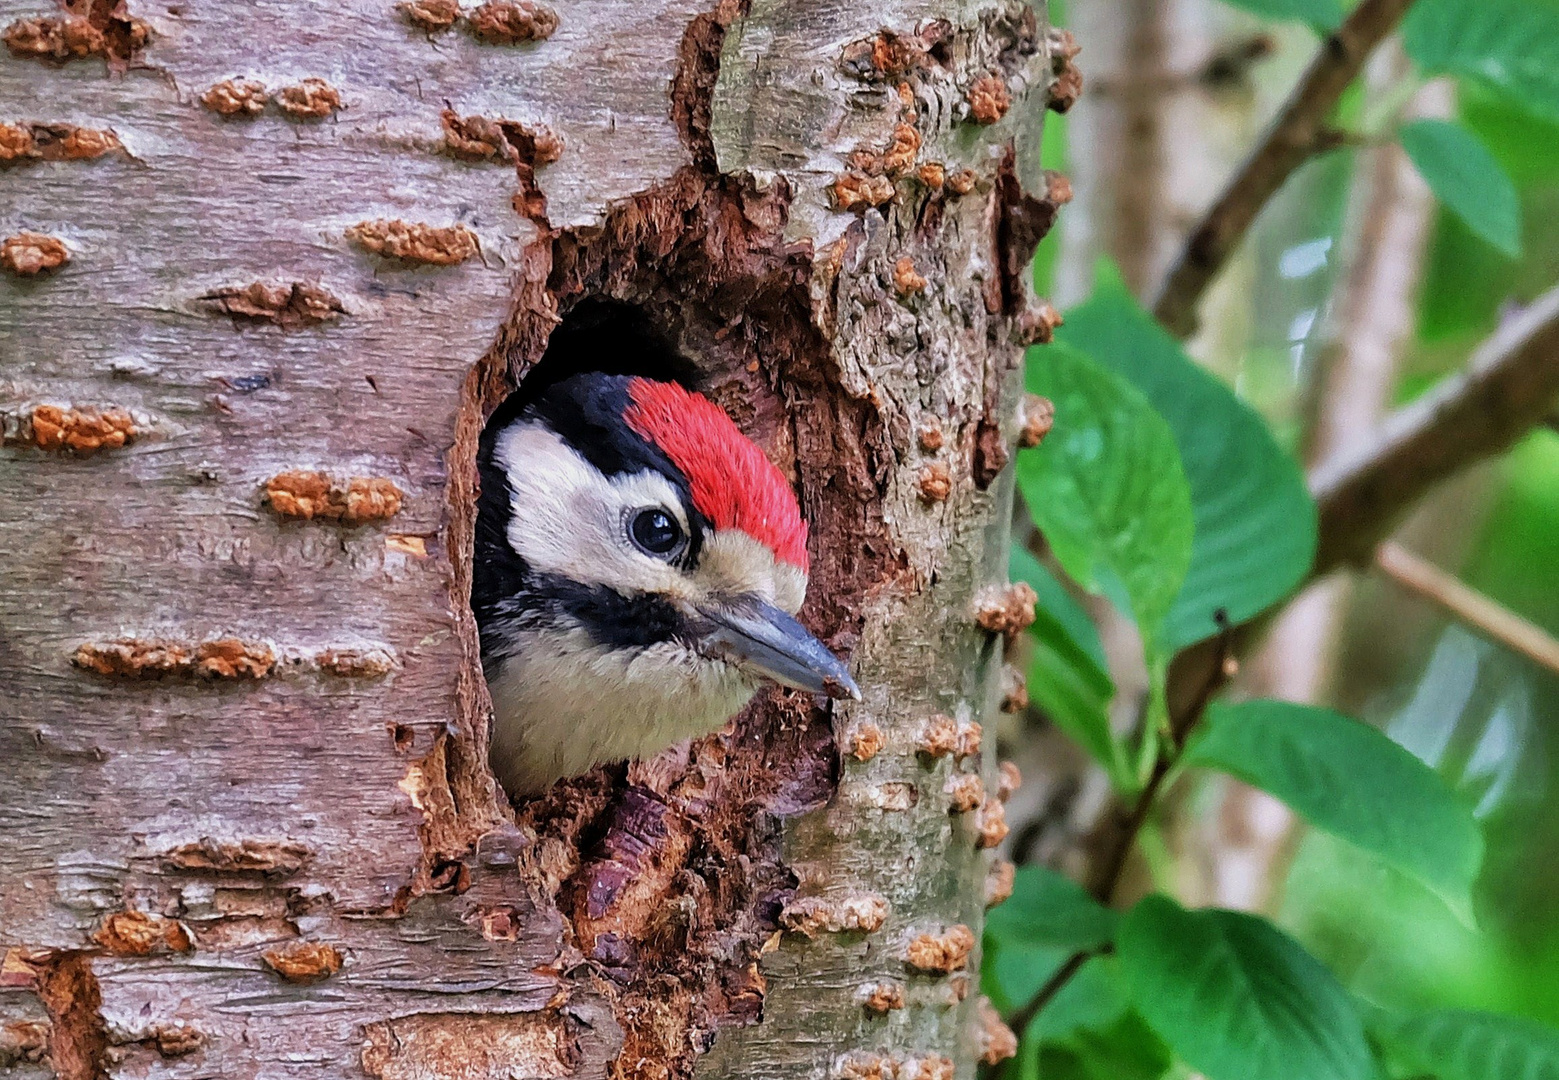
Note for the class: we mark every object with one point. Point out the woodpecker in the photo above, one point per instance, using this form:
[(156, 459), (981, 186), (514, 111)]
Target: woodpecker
[(638, 566)]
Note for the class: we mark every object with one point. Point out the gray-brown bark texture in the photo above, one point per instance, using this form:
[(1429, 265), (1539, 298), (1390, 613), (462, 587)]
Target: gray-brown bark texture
[(265, 268)]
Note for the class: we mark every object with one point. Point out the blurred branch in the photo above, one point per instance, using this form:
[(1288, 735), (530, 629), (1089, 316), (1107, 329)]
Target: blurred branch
[(1467, 605), (1125, 830), (1231, 63), (1226, 66), (1389, 219), (1508, 388), (1298, 133), (1138, 237)]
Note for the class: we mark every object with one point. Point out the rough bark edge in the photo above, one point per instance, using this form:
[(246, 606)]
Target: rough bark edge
[(76, 1042)]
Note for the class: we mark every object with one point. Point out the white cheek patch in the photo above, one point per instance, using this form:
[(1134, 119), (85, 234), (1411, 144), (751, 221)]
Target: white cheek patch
[(567, 518), (790, 586), (735, 564)]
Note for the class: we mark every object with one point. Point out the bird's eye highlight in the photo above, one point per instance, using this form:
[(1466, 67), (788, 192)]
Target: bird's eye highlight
[(655, 532)]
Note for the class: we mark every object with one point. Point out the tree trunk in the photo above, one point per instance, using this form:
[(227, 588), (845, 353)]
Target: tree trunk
[(246, 824)]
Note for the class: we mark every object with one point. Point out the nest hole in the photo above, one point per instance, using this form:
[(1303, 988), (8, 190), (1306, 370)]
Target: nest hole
[(748, 344)]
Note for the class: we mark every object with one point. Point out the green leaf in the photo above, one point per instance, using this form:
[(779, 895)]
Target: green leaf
[(1012, 973), (1056, 602), (1321, 15), (1094, 998), (1255, 520), (1126, 1050), (1106, 487), (1351, 780), (1074, 695), (1465, 177), (1048, 909), (1526, 146), (1048, 918), (1237, 998), (1454, 1044), (1067, 677), (1511, 46)]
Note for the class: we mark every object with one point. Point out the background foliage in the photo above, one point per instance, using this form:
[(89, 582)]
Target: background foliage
[(1416, 933)]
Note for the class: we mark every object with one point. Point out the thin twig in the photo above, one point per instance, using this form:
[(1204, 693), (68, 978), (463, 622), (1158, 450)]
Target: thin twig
[(1508, 388), (1295, 136), (1468, 606), (1053, 986), (1115, 866)]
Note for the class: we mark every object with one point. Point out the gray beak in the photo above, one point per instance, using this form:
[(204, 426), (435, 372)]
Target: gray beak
[(765, 640)]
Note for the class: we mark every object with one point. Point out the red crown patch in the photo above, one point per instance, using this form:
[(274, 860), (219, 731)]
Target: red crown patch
[(733, 484)]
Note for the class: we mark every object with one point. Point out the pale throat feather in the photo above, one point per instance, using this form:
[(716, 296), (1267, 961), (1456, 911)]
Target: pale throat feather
[(636, 705)]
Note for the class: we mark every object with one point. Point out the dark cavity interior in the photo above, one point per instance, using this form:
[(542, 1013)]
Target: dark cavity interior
[(610, 336)]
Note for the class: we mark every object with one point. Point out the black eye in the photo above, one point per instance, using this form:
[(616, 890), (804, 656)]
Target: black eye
[(656, 532)]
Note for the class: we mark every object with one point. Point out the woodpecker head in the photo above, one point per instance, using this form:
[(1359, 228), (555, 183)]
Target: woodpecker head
[(638, 566)]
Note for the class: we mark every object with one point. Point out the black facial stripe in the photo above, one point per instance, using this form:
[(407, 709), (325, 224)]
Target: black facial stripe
[(613, 620)]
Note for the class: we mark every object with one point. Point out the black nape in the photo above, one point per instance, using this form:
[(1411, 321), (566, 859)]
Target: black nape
[(596, 336), (609, 336)]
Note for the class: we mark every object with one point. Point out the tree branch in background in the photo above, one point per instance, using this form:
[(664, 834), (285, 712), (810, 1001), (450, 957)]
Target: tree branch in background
[(1138, 237), (1468, 606), (1508, 388), (1297, 134), (1387, 225), (1229, 65), (1125, 829)]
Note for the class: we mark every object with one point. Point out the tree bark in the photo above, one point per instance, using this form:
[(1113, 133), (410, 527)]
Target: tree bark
[(266, 269)]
